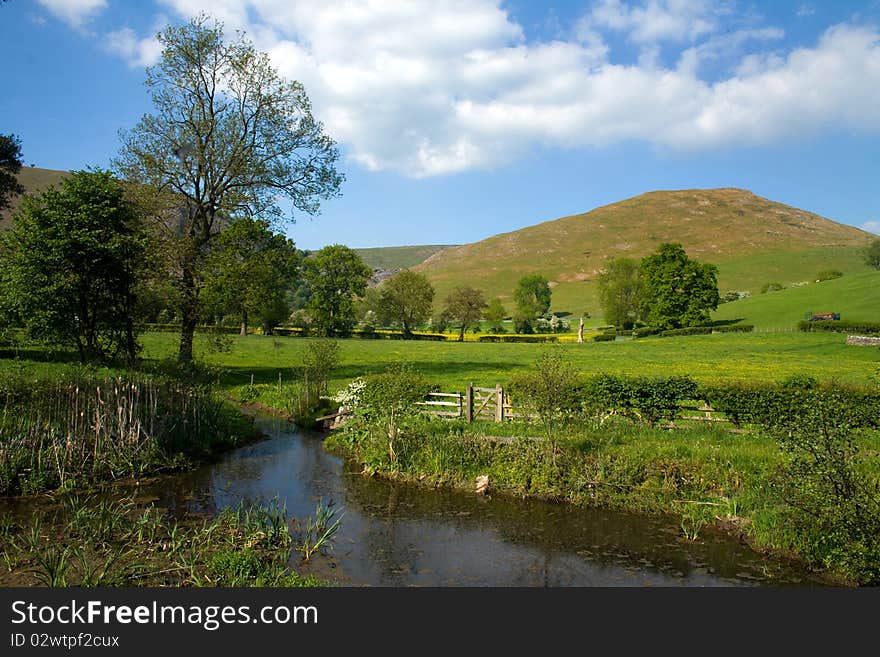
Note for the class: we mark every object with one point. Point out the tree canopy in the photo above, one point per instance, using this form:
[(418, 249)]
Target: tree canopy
[(465, 305), (495, 314), (335, 275), (249, 271), (405, 300), (228, 137), (10, 165), (71, 266), (621, 292), (679, 291)]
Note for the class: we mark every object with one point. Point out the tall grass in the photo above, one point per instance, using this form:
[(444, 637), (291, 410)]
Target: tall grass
[(56, 433)]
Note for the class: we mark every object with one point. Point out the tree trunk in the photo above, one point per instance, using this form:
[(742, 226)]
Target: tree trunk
[(461, 332), (189, 314), (244, 323)]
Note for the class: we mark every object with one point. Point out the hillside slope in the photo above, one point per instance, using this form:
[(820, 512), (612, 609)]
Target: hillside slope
[(398, 257), (751, 239), (34, 181), (856, 297)]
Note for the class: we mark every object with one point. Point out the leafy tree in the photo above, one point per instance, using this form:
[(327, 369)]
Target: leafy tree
[(405, 300), (71, 266), (465, 305), (679, 291), (620, 292), (10, 165), (249, 271), (872, 254), (335, 275), (532, 295), (550, 391), (495, 314), (229, 137)]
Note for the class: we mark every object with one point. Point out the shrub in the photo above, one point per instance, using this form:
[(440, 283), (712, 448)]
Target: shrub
[(650, 399), (550, 391), (828, 274), (693, 330), (841, 326), (771, 287), (387, 399)]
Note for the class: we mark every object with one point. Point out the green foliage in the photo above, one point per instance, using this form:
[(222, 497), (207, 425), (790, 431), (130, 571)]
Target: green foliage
[(72, 264), (550, 391), (214, 163), (678, 291), (872, 254), (248, 273), (833, 504), (405, 300), (771, 287), (10, 165), (648, 399), (495, 314), (321, 358), (335, 275), (532, 297), (387, 401), (465, 306), (828, 275), (621, 292), (839, 326), (693, 330)]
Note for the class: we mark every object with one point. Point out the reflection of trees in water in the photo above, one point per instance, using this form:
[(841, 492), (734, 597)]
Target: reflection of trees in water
[(553, 533)]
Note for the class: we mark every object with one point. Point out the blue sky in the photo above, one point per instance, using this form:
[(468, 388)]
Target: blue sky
[(460, 119)]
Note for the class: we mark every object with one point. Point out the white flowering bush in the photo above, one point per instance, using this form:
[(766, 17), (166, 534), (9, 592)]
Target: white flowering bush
[(350, 397)]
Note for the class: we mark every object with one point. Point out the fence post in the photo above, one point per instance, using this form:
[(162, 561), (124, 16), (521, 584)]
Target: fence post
[(499, 403), (469, 404)]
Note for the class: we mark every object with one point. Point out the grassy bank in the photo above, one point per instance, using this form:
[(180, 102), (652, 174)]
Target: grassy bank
[(95, 541)]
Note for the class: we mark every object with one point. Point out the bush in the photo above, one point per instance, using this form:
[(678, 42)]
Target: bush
[(387, 400), (517, 338), (734, 328), (693, 330), (604, 337), (550, 391), (841, 326), (650, 399), (828, 274), (771, 287)]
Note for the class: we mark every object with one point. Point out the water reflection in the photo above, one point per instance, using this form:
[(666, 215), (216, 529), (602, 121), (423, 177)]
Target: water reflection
[(401, 535)]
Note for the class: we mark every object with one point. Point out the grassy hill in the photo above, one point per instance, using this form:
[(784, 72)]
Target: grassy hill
[(751, 239), (34, 181), (855, 297), (398, 257)]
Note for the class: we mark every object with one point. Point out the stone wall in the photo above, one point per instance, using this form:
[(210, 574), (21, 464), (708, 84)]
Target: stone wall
[(862, 341)]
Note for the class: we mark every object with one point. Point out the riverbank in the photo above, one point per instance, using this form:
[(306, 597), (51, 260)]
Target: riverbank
[(705, 477)]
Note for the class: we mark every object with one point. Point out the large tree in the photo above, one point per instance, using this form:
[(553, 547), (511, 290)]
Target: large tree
[(678, 291), (10, 165), (532, 298), (465, 305), (495, 314), (249, 271), (228, 137), (405, 300), (71, 266), (335, 275), (620, 292)]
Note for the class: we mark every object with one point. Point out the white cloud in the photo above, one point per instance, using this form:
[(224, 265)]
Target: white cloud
[(74, 12), (425, 88), (872, 226), (137, 52), (658, 20)]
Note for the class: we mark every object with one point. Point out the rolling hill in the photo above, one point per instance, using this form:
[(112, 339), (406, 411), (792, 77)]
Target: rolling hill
[(34, 180), (751, 239), (398, 257)]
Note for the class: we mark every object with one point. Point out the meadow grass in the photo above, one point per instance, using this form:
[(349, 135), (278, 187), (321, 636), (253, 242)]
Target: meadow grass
[(452, 366)]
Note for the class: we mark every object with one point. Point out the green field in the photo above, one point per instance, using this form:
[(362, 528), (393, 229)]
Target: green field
[(855, 297), (749, 356)]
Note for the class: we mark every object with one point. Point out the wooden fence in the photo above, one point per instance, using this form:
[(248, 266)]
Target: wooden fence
[(493, 404)]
